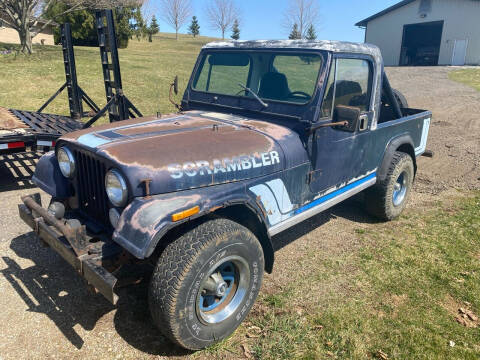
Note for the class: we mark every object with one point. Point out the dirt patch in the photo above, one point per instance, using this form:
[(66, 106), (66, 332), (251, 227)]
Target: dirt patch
[(455, 127), (461, 312)]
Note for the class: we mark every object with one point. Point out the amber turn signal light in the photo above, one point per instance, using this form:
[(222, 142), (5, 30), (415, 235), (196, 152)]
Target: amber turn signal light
[(186, 213)]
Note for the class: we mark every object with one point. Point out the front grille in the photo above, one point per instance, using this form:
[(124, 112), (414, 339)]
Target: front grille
[(90, 186)]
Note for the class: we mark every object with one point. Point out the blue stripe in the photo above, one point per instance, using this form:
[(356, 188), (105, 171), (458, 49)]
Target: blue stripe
[(335, 194)]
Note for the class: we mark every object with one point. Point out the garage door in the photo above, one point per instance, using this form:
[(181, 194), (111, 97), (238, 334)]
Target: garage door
[(421, 44)]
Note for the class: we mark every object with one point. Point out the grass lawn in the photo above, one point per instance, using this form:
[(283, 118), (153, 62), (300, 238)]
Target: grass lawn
[(470, 77), (147, 71), (399, 296)]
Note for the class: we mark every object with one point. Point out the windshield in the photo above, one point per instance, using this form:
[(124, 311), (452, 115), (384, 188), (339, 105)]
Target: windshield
[(278, 76)]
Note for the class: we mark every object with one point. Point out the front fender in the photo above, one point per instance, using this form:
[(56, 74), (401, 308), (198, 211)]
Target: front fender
[(147, 220), (49, 178)]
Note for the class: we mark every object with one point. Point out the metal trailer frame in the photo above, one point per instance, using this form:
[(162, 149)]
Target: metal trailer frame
[(44, 129), (76, 95)]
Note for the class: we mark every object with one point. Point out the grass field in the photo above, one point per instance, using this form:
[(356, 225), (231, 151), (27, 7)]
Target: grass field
[(399, 295), (147, 71), (470, 77)]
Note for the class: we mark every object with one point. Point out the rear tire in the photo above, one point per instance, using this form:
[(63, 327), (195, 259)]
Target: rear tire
[(387, 199), (401, 99), (205, 283)]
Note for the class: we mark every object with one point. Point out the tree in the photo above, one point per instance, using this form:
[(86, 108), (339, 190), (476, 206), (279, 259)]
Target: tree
[(176, 13), (235, 30), (295, 34), (194, 28), (82, 24), (221, 14), (129, 22), (311, 33), (153, 29), (303, 13), (27, 17)]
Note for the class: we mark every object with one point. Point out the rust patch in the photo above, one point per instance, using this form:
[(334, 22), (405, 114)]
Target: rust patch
[(259, 203), (164, 126), (157, 152)]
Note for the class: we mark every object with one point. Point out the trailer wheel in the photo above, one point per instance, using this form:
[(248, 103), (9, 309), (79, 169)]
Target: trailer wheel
[(387, 199), (205, 283)]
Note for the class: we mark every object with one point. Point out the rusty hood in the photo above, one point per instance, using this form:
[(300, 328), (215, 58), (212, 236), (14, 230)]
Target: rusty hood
[(186, 151)]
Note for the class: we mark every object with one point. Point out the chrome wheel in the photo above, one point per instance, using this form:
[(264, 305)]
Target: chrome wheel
[(400, 189), (223, 289)]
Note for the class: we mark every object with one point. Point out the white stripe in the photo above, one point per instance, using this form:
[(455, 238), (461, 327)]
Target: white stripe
[(278, 228), (92, 140), (281, 194), (423, 142), (270, 203), (44, 143), (3, 146)]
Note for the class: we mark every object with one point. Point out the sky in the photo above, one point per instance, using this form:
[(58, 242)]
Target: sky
[(262, 19)]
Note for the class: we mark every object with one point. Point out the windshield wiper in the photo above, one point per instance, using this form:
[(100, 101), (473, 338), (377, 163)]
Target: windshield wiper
[(263, 103)]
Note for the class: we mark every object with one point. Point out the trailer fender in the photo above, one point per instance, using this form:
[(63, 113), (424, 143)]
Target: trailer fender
[(402, 143), (49, 178)]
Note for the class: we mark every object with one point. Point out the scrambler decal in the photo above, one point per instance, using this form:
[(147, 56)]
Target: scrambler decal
[(240, 163)]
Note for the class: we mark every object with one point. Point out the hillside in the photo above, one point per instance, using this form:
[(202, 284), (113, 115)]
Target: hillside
[(147, 70)]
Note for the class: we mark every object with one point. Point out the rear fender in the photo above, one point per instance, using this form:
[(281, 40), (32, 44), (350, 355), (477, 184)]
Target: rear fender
[(402, 143)]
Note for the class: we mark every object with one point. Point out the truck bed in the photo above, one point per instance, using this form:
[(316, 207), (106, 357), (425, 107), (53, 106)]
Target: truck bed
[(21, 129)]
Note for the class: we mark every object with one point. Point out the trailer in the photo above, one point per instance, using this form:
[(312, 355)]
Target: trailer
[(32, 131)]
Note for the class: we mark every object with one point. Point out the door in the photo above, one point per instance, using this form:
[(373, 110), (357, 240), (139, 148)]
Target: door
[(338, 154), (459, 52)]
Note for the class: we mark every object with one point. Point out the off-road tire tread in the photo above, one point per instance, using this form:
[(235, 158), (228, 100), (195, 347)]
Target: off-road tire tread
[(173, 266), (377, 198)]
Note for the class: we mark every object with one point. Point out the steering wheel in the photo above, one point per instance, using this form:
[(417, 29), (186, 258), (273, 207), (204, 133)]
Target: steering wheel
[(301, 93)]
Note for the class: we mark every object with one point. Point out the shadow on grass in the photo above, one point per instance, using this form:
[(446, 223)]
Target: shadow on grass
[(16, 171), (53, 288)]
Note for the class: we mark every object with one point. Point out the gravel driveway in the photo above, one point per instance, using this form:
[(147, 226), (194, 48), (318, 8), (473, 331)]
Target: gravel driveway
[(48, 313)]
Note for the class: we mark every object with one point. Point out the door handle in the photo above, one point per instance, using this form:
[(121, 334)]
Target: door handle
[(363, 122)]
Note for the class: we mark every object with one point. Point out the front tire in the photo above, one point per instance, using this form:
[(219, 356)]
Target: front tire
[(387, 199), (205, 283)]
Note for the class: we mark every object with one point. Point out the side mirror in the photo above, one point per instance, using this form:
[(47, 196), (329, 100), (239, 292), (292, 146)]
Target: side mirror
[(349, 115), (175, 85)]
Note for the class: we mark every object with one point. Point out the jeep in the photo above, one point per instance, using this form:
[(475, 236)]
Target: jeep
[(268, 134)]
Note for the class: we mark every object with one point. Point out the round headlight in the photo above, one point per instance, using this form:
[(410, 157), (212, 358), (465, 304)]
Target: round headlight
[(116, 188), (66, 162)]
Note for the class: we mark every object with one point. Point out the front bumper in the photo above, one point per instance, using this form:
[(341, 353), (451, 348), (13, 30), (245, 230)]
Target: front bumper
[(90, 259)]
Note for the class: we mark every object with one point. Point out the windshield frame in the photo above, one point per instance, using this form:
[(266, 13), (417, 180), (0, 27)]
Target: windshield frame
[(274, 51)]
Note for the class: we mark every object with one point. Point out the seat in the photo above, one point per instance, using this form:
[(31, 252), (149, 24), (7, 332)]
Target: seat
[(274, 85)]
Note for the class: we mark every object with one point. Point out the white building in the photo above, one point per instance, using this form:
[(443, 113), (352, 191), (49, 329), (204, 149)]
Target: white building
[(427, 32)]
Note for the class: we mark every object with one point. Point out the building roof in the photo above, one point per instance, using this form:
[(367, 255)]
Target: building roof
[(333, 46), (364, 22)]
